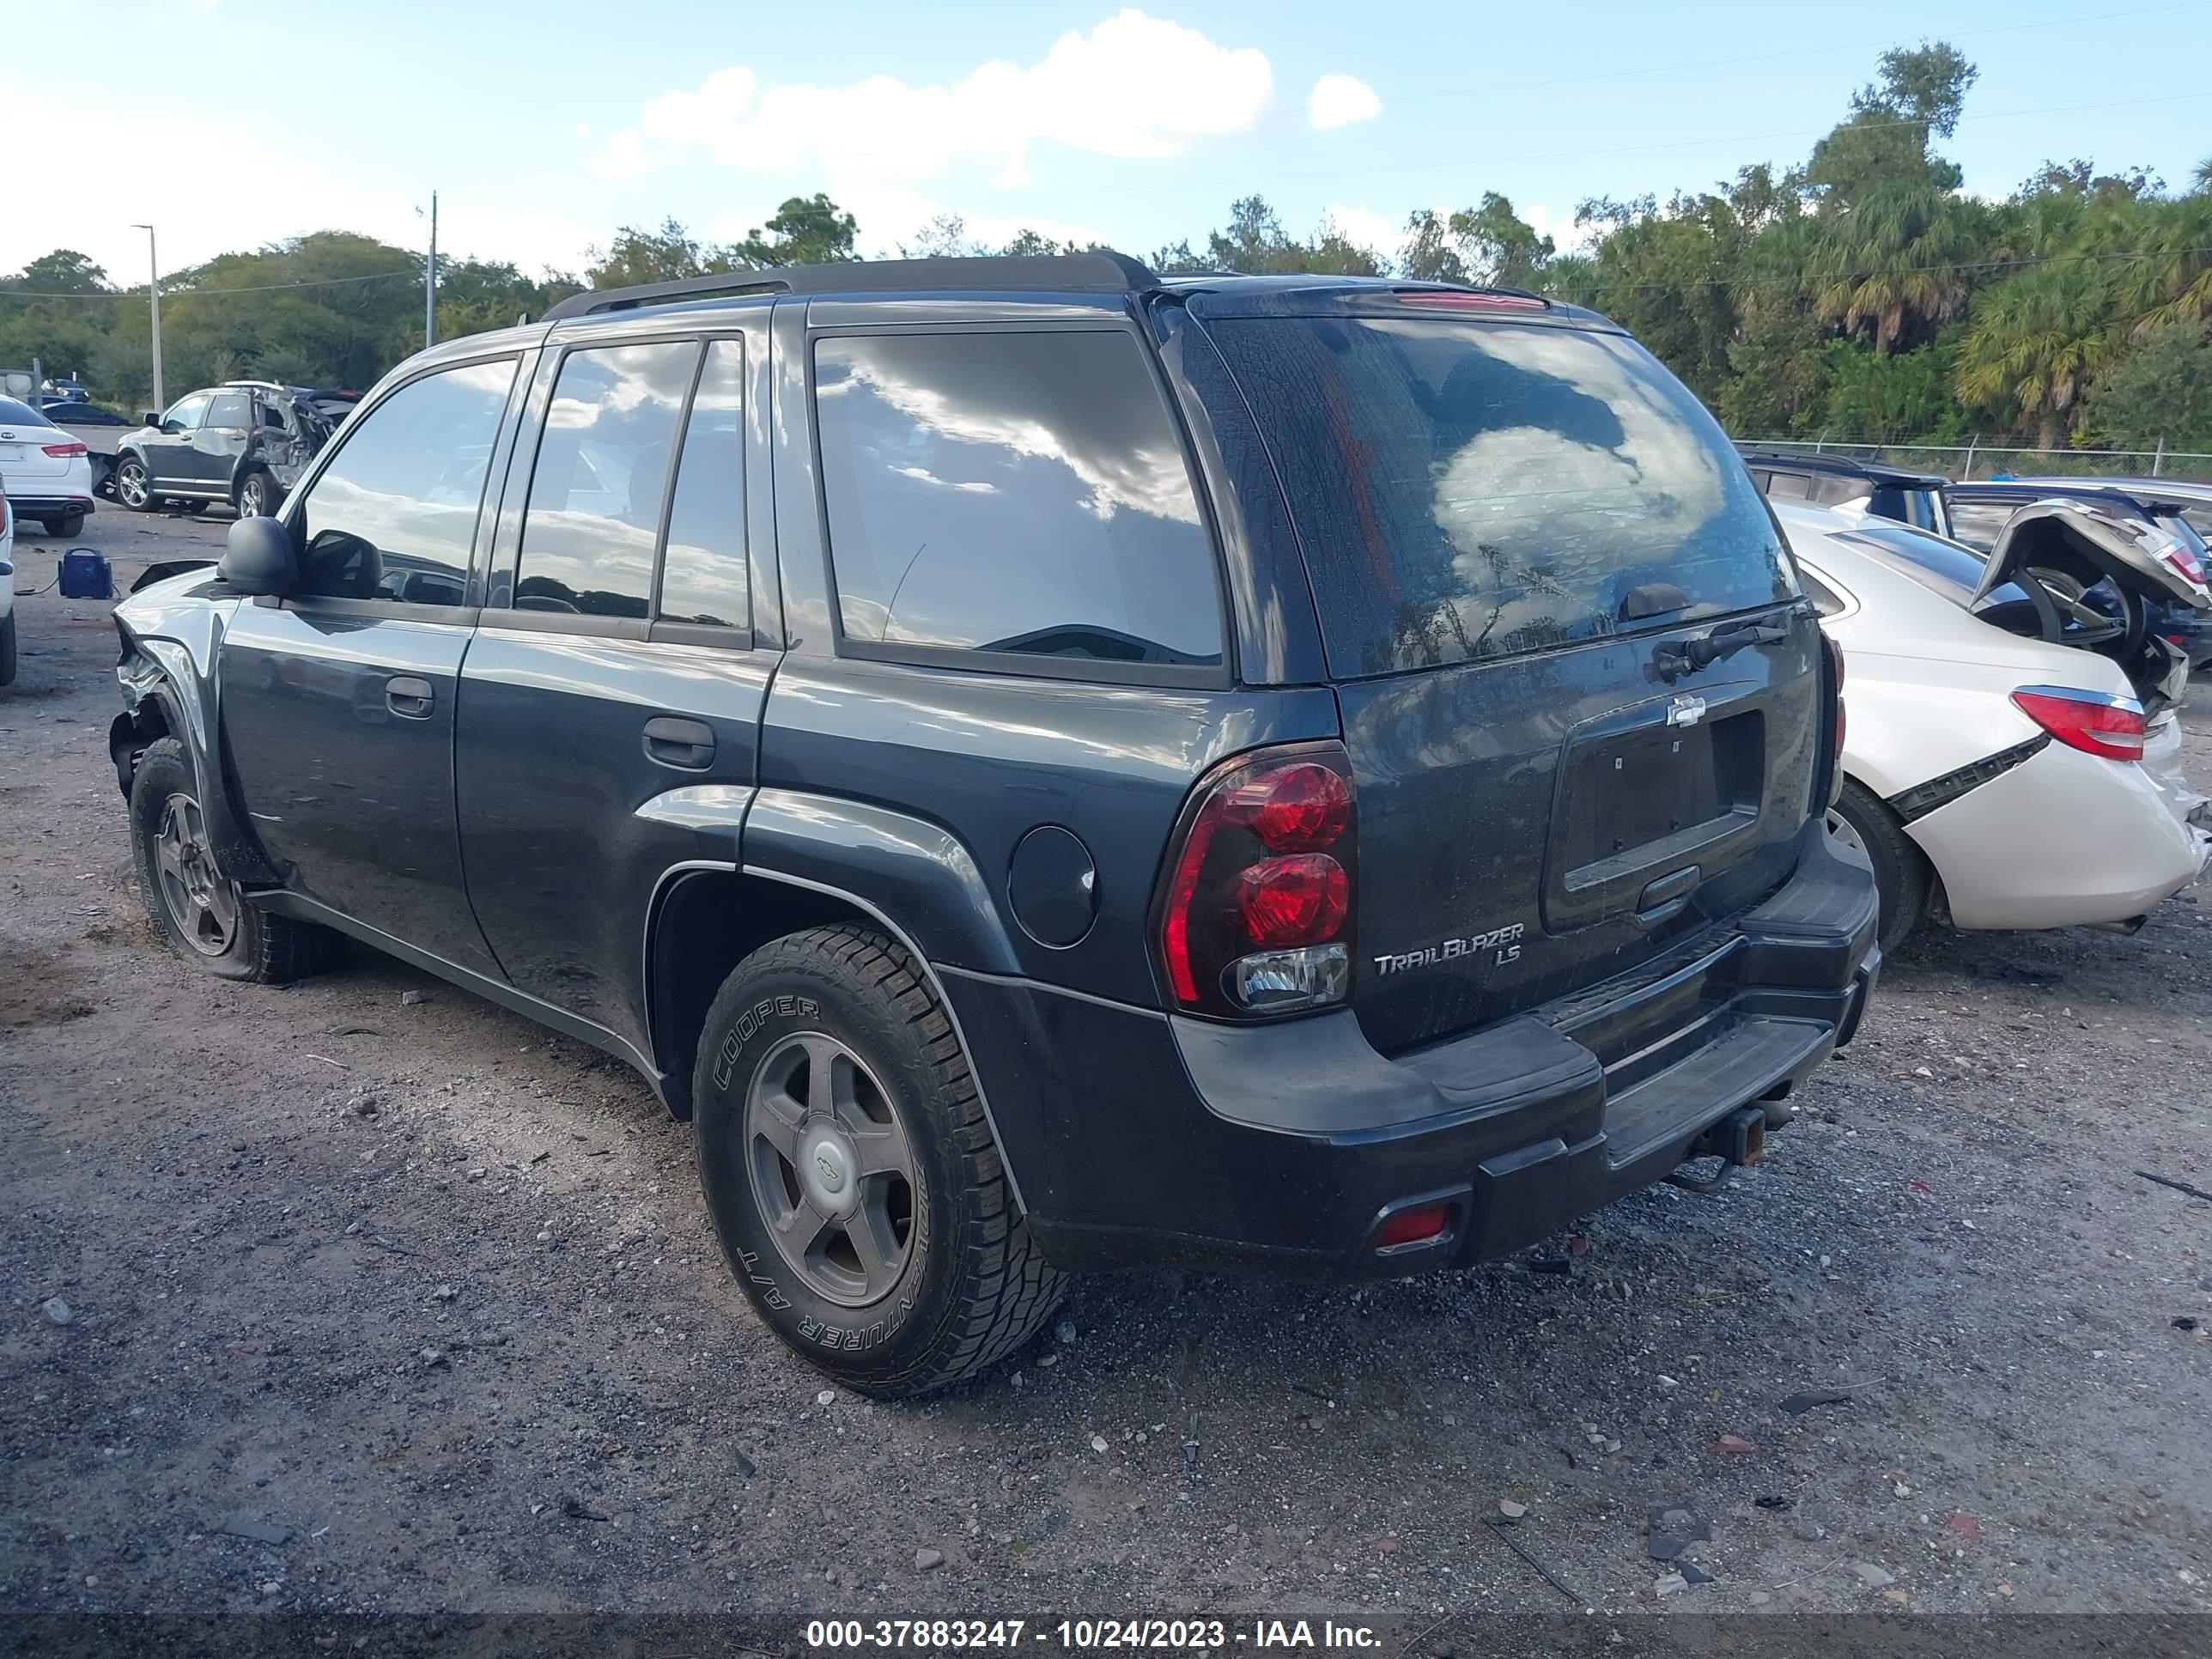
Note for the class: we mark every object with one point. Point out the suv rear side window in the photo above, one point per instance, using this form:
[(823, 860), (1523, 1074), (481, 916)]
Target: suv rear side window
[(227, 413), (602, 474), (702, 578), (1024, 493), (394, 514), (1469, 490)]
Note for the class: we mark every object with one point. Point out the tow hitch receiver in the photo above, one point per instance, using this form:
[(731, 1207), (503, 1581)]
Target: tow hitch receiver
[(1737, 1139)]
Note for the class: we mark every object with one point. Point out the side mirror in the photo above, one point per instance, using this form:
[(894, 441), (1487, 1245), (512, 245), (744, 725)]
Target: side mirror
[(257, 558), (151, 417)]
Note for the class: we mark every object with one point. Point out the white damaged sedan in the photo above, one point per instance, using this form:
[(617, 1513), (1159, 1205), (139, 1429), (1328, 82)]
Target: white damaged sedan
[(2012, 756)]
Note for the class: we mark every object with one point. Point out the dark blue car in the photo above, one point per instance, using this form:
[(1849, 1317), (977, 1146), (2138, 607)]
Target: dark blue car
[(1980, 510)]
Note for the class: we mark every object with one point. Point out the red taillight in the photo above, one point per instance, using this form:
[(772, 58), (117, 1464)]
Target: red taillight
[(1447, 299), (1294, 900), (2089, 721), (1423, 1221), (63, 452), (1257, 914)]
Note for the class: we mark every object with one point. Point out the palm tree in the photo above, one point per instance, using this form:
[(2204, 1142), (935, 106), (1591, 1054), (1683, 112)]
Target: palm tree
[(2204, 173), (2169, 277), (2034, 343), (1895, 260)]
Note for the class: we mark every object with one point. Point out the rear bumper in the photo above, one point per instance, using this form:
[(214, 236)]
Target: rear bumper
[(33, 507), (1138, 1139), (2066, 838)]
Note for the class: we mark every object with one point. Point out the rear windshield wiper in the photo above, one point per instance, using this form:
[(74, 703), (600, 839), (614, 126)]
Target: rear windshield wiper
[(1673, 661)]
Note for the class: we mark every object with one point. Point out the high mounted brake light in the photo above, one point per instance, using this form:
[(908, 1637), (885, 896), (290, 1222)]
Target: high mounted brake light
[(1256, 917), (2112, 728), (1447, 299)]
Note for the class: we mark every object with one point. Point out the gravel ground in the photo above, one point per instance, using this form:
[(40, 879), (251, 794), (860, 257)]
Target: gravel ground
[(378, 1297)]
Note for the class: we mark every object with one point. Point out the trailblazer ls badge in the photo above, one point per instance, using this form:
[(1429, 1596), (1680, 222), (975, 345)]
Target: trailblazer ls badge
[(1503, 945)]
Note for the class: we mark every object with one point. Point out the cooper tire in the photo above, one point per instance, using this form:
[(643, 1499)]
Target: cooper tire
[(197, 914), (826, 1052), (1900, 868)]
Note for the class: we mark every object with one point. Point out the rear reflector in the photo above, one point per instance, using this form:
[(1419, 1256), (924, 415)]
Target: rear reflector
[(1423, 1221), (2089, 721), (63, 452)]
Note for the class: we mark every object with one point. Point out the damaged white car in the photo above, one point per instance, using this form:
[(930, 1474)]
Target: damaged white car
[(2013, 757)]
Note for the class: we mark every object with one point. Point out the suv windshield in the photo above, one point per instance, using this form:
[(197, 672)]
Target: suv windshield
[(1467, 490)]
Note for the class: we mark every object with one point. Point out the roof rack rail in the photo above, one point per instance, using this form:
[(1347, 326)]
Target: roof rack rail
[(1100, 272)]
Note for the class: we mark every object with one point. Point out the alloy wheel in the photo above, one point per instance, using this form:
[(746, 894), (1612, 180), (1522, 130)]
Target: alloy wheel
[(253, 500), (832, 1170), (1840, 828), (130, 484), (202, 906)]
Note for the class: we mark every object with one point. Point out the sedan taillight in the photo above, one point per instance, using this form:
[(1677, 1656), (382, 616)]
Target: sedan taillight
[(63, 452), (1256, 917), (2112, 727)]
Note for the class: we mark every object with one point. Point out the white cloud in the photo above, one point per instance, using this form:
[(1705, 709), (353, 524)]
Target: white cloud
[(1135, 87), (1341, 100), (1378, 232)]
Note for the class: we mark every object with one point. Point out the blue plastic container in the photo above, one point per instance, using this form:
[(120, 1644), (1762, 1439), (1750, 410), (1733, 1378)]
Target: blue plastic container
[(85, 575)]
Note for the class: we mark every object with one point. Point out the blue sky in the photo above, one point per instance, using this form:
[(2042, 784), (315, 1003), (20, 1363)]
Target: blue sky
[(545, 127)]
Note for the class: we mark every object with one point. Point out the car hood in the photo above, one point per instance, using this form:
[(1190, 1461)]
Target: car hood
[(2093, 539)]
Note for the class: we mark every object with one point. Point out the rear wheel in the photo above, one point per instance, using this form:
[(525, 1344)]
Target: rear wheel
[(8, 649), (255, 498), (200, 913), (850, 1171), (1861, 821), (134, 487), (65, 525)]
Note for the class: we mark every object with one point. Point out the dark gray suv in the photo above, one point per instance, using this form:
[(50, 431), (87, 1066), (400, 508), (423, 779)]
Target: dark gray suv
[(1048, 767)]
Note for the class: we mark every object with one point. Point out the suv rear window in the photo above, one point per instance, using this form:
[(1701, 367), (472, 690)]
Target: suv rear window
[(1015, 492), (1468, 490)]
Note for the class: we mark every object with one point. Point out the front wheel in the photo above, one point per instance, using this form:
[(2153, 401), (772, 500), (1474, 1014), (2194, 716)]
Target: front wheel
[(200, 913), (851, 1173), (1860, 821), (134, 487)]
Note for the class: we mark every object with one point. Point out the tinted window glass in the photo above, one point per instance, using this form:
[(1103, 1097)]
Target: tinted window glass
[(602, 473), (16, 414), (395, 513), (228, 412), (1467, 490), (1977, 523), (703, 576), (1011, 492), (1951, 570), (1789, 487), (186, 413)]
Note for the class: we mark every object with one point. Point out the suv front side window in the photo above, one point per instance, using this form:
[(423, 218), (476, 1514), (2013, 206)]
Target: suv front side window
[(1016, 493), (596, 493), (186, 413), (394, 514)]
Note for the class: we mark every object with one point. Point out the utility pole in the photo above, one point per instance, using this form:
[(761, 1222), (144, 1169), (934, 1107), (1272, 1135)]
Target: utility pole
[(154, 290), (430, 282)]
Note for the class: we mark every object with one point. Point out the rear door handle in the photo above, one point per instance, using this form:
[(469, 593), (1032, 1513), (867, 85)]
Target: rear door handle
[(687, 745), (409, 698)]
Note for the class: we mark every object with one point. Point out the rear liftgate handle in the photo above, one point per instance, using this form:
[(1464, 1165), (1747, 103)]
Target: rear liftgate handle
[(687, 745), (408, 697)]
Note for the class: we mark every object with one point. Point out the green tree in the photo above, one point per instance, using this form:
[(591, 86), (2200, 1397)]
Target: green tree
[(668, 254), (807, 230), (2160, 393), (1500, 248), (2032, 345), (1896, 266), (1875, 398), (1917, 97)]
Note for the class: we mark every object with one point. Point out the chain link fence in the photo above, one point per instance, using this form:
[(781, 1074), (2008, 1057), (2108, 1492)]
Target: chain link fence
[(1962, 461)]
